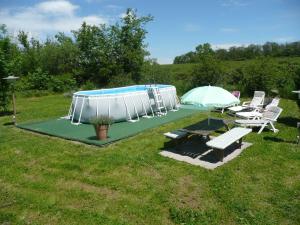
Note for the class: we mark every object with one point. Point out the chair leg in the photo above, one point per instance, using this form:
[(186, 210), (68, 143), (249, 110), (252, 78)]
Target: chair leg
[(273, 127), (262, 127)]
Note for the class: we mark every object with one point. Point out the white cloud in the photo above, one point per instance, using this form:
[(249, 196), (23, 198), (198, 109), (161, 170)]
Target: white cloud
[(235, 3), (47, 18), (191, 27), (228, 30), (57, 7), (227, 45), (94, 1)]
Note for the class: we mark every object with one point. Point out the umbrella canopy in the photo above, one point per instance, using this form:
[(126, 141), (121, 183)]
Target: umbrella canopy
[(209, 97)]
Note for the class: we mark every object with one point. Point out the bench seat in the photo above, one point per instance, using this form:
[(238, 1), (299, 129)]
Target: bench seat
[(176, 134), (225, 140)]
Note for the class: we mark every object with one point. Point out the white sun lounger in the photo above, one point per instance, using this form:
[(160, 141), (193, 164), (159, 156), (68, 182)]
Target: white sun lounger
[(221, 142), (256, 102), (257, 113), (269, 117)]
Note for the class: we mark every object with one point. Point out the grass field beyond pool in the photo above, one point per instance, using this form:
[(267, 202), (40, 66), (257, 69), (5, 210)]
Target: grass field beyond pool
[(46, 180)]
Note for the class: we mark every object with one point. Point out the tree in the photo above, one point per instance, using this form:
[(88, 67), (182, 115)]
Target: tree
[(117, 50), (132, 49), (8, 61), (30, 53), (93, 60), (207, 72), (4, 86), (251, 51)]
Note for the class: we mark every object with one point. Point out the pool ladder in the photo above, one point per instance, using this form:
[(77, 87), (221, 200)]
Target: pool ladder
[(159, 101)]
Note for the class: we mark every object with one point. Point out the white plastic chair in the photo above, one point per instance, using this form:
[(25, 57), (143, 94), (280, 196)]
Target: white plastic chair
[(269, 117), (256, 102), (258, 112)]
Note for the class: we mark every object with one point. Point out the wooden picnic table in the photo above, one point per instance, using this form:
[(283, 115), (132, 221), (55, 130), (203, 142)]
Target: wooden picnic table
[(202, 128), (208, 126)]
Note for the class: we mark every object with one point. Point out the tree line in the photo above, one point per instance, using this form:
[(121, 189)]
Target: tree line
[(271, 49)]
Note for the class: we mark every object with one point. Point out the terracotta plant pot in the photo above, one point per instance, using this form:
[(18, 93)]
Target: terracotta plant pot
[(101, 131)]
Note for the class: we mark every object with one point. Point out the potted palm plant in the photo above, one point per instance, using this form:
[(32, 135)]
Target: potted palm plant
[(101, 124)]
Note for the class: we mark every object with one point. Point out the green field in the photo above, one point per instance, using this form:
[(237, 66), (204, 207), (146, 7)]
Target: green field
[(47, 180), (181, 75), (227, 65)]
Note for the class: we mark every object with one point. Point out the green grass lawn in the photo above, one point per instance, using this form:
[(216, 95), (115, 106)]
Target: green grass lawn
[(46, 180)]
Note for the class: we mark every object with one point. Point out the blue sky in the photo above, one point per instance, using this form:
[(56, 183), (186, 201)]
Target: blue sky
[(178, 26)]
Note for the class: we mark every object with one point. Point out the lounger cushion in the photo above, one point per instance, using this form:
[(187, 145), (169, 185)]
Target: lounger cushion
[(249, 114), (251, 121), (237, 108)]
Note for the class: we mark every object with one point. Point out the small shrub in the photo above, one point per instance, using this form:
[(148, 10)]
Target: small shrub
[(101, 120)]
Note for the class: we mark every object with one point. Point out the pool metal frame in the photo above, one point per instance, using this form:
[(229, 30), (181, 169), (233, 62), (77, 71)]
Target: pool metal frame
[(174, 107)]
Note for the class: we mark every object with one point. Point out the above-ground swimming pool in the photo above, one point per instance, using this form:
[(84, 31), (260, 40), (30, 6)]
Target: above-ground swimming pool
[(123, 103)]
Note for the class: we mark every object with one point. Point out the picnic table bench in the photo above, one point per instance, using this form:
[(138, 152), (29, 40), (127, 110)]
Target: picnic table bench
[(178, 136), (223, 141), (202, 128)]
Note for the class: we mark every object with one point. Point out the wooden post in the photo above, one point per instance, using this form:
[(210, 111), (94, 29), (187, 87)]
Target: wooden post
[(14, 109)]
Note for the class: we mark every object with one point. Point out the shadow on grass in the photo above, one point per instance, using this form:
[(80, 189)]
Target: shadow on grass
[(195, 146), (288, 121), (6, 113), (8, 124), (280, 140)]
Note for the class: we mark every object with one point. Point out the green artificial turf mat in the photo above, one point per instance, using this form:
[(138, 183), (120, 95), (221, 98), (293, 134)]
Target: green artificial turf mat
[(85, 132)]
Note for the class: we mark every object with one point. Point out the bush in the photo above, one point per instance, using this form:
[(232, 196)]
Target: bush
[(38, 80), (62, 83), (41, 81)]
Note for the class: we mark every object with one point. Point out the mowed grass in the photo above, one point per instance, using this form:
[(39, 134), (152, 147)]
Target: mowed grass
[(46, 180)]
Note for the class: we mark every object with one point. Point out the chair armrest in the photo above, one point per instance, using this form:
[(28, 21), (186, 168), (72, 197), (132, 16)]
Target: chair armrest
[(256, 118), (246, 103), (259, 109)]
